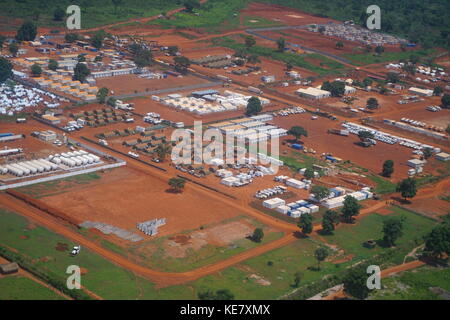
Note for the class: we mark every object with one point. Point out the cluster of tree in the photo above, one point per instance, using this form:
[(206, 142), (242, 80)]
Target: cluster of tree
[(445, 101), (71, 37), (329, 221), (253, 106), (190, 5), (281, 44), (223, 294), (337, 88), (36, 70), (245, 57), (26, 32), (162, 150), (182, 64), (5, 70), (177, 184), (142, 56), (388, 168)]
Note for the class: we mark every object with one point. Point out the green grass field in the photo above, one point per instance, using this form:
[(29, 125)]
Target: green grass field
[(351, 238), (55, 187), (383, 185), (414, 285), (21, 288), (93, 13), (326, 66)]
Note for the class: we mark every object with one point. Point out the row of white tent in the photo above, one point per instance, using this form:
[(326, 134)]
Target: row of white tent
[(74, 159), (25, 168), (14, 99)]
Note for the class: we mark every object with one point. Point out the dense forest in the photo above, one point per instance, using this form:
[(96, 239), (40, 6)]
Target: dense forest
[(426, 22)]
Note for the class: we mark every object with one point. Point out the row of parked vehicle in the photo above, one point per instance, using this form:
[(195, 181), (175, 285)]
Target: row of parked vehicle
[(266, 193), (289, 111)]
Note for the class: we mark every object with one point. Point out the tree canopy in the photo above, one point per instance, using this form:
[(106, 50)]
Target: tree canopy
[(437, 242), (407, 188), (80, 72), (177, 184), (305, 223), (336, 88), (392, 230), (351, 208), (27, 31), (298, 132), (5, 69), (388, 168), (253, 106)]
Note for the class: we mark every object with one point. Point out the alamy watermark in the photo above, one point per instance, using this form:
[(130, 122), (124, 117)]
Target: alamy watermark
[(374, 280), (74, 280), (374, 20), (73, 21)]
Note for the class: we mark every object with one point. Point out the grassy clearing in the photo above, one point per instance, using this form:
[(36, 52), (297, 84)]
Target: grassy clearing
[(298, 160), (414, 285), (153, 253), (371, 58), (214, 16), (326, 66), (351, 238), (383, 185), (21, 288), (56, 187), (37, 245)]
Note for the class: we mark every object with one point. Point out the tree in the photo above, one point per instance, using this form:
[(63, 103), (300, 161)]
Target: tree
[(309, 173), (5, 69), (407, 188), (320, 192), (80, 72), (321, 29), (372, 103), (321, 254), (367, 82), (162, 150), (409, 68), (13, 48), (59, 14), (253, 106), (71, 37), (249, 41), (298, 132), (97, 40), (448, 129), (190, 5), (305, 223), (364, 135), (437, 91), (116, 4), (172, 50), (281, 43), (182, 64), (388, 168), (27, 31), (102, 94), (177, 184), (336, 88), (143, 58), (339, 45), (253, 59), (289, 66), (36, 70), (437, 242), (298, 278), (81, 58), (223, 294), (355, 282), (98, 58), (258, 235), (53, 64), (427, 152), (2, 41), (330, 218), (379, 50), (351, 208), (392, 230), (392, 77), (445, 100)]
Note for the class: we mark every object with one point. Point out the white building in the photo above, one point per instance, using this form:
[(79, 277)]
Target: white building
[(313, 93)]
